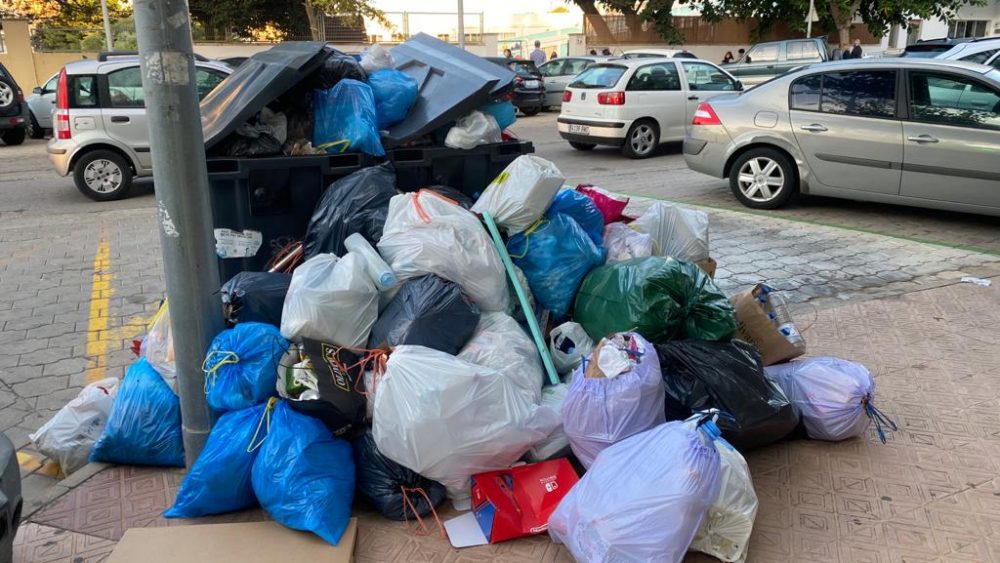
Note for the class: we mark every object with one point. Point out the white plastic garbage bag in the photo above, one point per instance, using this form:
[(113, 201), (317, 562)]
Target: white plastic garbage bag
[(556, 442), (624, 243), (426, 233), (68, 436), (642, 500), (568, 345), (448, 419), (331, 300), (476, 128), (501, 344), (834, 396), (676, 231), (158, 347), (520, 194), (375, 57), (725, 532)]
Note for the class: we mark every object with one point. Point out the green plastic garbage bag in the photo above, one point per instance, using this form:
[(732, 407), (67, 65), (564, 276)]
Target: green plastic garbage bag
[(660, 298)]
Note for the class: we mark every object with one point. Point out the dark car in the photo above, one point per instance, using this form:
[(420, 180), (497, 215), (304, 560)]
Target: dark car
[(10, 497), (529, 86), (13, 110)]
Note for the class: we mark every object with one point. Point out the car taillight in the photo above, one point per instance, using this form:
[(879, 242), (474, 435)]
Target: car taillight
[(20, 96), (62, 91), (62, 108), (567, 96), (62, 125), (611, 98), (705, 115), (518, 80)]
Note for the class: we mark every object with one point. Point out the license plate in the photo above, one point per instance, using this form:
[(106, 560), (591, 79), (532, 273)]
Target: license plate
[(579, 129), (531, 84)]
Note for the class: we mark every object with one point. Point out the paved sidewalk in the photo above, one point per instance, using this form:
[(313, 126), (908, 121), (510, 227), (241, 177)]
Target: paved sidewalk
[(932, 493)]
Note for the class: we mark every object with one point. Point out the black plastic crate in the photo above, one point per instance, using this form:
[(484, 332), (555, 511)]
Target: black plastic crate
[(276, 196)]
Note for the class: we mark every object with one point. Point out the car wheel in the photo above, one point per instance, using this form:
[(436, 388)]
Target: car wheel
[(642, 139), (582, 146), (7, 94), (102, 175), (546, 108), (13, 137), (531, 111), (763, 179), (35, 131)]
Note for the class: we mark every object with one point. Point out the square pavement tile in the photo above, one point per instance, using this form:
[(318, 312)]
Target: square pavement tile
[(36, 543)]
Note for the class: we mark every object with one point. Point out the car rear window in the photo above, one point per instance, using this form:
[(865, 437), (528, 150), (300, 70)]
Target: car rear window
[(603, 76), (523, 67), (925, 51), (82, 91)]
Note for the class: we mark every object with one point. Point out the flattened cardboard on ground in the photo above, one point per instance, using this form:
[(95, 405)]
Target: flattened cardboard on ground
[(252, 542)]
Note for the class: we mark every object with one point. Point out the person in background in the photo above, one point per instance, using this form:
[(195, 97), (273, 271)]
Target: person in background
[(845, 51), (728, 58), (593, 52), (553, 55), (507, 54), (856, 52), (538, 55), (742, 53), (606, 52)]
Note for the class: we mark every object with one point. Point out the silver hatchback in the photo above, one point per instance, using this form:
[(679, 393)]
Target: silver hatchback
[(914, 132)]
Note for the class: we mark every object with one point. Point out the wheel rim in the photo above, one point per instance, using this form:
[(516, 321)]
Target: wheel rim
[(761, 179), (103, 176), (6, 95), (642, 140)]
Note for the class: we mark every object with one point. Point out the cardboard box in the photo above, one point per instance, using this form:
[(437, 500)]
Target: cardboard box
[(517, 502), (708, 265), (757, 329), (253, 542)]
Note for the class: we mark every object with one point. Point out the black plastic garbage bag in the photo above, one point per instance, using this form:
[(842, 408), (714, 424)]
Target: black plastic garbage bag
[(341, 405), (337, 67), (728, 376), (357, 203), (396, 491), (428, 311), (453, 194), (255, 297)]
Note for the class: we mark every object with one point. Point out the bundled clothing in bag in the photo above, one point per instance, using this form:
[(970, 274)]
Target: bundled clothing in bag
[(239, 366), (330, 299), (582, 210), (428, 311), (660, 298), (622, 243), (836, 397), (395, 93), (426, 233), (555, 254), (727, 376), (345, 119), (448, 419), (520, 194), (356, 203), (145, 423), (68, 436), (397, 492), (610, 204), (642, 500), (499, 343), (255, 297), (618, 394), (303, 477), (220, 479), (676, 231), (569, 344)]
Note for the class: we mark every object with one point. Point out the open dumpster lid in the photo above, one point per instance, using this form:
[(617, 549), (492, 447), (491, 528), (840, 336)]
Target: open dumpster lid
[(256, 83), (452, 83)]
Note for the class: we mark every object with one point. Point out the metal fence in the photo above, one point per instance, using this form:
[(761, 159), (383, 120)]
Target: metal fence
[(443, 25), (619, 29)]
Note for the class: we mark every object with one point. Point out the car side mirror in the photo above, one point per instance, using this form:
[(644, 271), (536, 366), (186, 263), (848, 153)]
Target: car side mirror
[(739, 86), (36, 90)]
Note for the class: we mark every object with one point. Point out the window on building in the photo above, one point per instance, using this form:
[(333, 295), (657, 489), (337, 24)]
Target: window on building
[(967, 28)]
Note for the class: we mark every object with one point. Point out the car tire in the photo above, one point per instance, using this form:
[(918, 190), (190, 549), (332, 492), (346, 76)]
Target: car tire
[(531, 111), (8, 94), (13, 137), (642, 139), (35, 131), (103, 175), (763, 178), (582, 146), (546, 108)]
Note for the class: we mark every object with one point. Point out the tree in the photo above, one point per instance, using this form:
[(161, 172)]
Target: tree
[(360, 8), (65, 13), (636, 14)]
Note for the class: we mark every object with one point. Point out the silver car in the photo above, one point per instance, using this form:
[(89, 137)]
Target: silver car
[(908, 131), (100, 131), (41, 103), (559, 72)]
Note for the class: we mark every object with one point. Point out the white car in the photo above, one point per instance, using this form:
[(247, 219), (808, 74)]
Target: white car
[(659, 54), (638, 104), (982, 51)]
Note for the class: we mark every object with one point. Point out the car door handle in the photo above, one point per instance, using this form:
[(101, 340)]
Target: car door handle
[(119, 119), (814, 127), (692, 98), (922, 139), (770, 66)]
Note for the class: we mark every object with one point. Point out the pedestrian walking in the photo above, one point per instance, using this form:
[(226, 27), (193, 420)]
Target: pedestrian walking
[(538, 55)]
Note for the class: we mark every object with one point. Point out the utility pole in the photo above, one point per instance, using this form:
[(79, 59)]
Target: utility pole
[(461, 24), (108, 38), (166, 57)]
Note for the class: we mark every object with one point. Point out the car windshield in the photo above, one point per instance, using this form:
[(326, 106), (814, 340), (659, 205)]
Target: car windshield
[(925, 51), (598, 77), (523, 67)]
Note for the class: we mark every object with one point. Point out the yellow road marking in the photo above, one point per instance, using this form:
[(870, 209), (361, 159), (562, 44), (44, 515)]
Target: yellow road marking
[(98, 336)]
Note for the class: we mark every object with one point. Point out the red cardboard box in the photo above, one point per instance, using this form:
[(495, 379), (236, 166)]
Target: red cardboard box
[(517, 502)]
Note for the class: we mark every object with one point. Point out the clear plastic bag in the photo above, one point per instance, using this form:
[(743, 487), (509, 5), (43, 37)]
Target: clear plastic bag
[(521, 194), (331, 300), (556, 444), (676, 231), (158, 347), (472, 130), (345, 119), (625, 243), (375, 57), (426, 233), (568, 345), (501, 344), (68, 436)]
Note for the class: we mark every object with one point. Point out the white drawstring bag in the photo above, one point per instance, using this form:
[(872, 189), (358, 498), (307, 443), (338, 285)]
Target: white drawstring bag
[(476, 128), (501, 344), (676, 231), (569, 344), (521, 194), (624, 243), (68, 436)]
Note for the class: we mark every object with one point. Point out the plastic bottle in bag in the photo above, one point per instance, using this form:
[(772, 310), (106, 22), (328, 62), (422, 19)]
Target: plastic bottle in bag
[(777, 311), (377, 269)]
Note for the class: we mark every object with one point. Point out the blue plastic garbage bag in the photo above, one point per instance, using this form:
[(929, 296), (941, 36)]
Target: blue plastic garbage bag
[(219, 481), (395, 93), (503, 112), (555, 254), (145, 423), (241, 364), (344, 119), (303, 477), (583, 210), (642, 500)]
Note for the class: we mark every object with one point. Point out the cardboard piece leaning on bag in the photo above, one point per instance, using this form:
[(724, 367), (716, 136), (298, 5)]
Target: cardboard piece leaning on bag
[(757, 329)]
